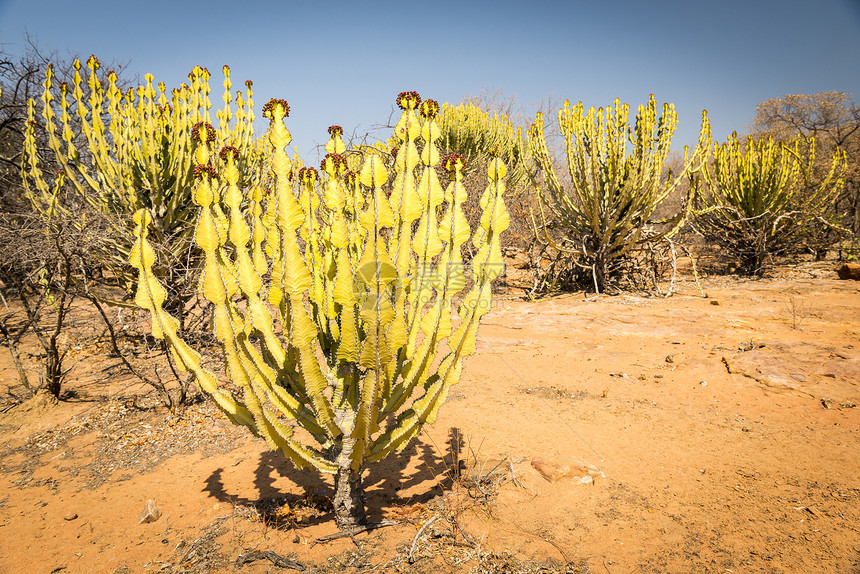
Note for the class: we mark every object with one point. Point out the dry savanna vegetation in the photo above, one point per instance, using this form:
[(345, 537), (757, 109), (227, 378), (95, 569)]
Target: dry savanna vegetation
[(496, 341)]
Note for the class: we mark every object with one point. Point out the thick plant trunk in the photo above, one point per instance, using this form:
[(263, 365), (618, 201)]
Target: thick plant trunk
[(349, 511), (599, 272)]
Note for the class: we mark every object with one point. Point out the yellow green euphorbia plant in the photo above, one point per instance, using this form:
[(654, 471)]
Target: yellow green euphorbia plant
[(616, 181), (334, 294), (474, 133), (758, 197), (123, 151)]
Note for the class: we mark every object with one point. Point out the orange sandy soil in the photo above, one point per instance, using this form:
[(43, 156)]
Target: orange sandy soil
[(723, 425)]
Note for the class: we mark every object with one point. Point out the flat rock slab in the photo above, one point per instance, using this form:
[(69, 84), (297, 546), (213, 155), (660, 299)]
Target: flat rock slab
[(802, 368)]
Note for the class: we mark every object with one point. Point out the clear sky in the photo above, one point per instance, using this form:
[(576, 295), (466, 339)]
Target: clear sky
[(343, 63)]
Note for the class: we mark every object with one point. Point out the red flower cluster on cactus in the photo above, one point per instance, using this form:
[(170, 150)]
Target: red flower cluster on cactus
[(430, 109), (204, 169), (308, 175), (337, 160), (335, 130), (351, 176), (451, 160), (228, 150), (395, 150), (198, 137), (404, 98), (270, 105), (248, 84)]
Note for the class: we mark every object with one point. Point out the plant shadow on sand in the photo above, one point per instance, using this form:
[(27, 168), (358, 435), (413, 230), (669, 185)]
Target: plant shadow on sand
[(403, 471)]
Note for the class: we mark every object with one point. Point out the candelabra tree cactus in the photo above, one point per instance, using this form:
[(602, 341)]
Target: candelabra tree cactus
[(757, 197), (122, 151), (479, 135), (606, 210), (333, 294)]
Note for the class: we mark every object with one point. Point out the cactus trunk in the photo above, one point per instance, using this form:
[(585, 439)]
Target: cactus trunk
[(348, 501)]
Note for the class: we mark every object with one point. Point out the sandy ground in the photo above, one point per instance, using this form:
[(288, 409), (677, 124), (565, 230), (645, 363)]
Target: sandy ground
[(719, 430)]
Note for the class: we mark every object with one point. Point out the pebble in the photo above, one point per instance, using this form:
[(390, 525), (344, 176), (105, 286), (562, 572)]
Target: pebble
[(150, 513)]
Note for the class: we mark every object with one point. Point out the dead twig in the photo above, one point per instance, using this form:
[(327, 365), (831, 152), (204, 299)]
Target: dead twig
[(514, 475), (421, 530), (276, 559), (353, 531)]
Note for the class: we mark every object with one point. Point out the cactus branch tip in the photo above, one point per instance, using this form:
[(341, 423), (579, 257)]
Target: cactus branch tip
[(207, 137), (204, 169), (308, 175), (454, 162), (336, 160), (228, 150), (408, 100), (429, 108), (273, 104)]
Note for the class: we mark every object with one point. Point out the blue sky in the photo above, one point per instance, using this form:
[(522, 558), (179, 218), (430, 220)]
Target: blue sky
[(344, 62)]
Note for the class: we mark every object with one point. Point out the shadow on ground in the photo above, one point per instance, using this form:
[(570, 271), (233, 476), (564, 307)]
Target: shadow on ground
[(419, 468)]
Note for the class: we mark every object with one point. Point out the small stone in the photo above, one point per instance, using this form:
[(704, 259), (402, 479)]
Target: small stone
[(715, 302), (703, 383), (70, 516), (581, 472), (150, 513), (670, 358), (549, 470)]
